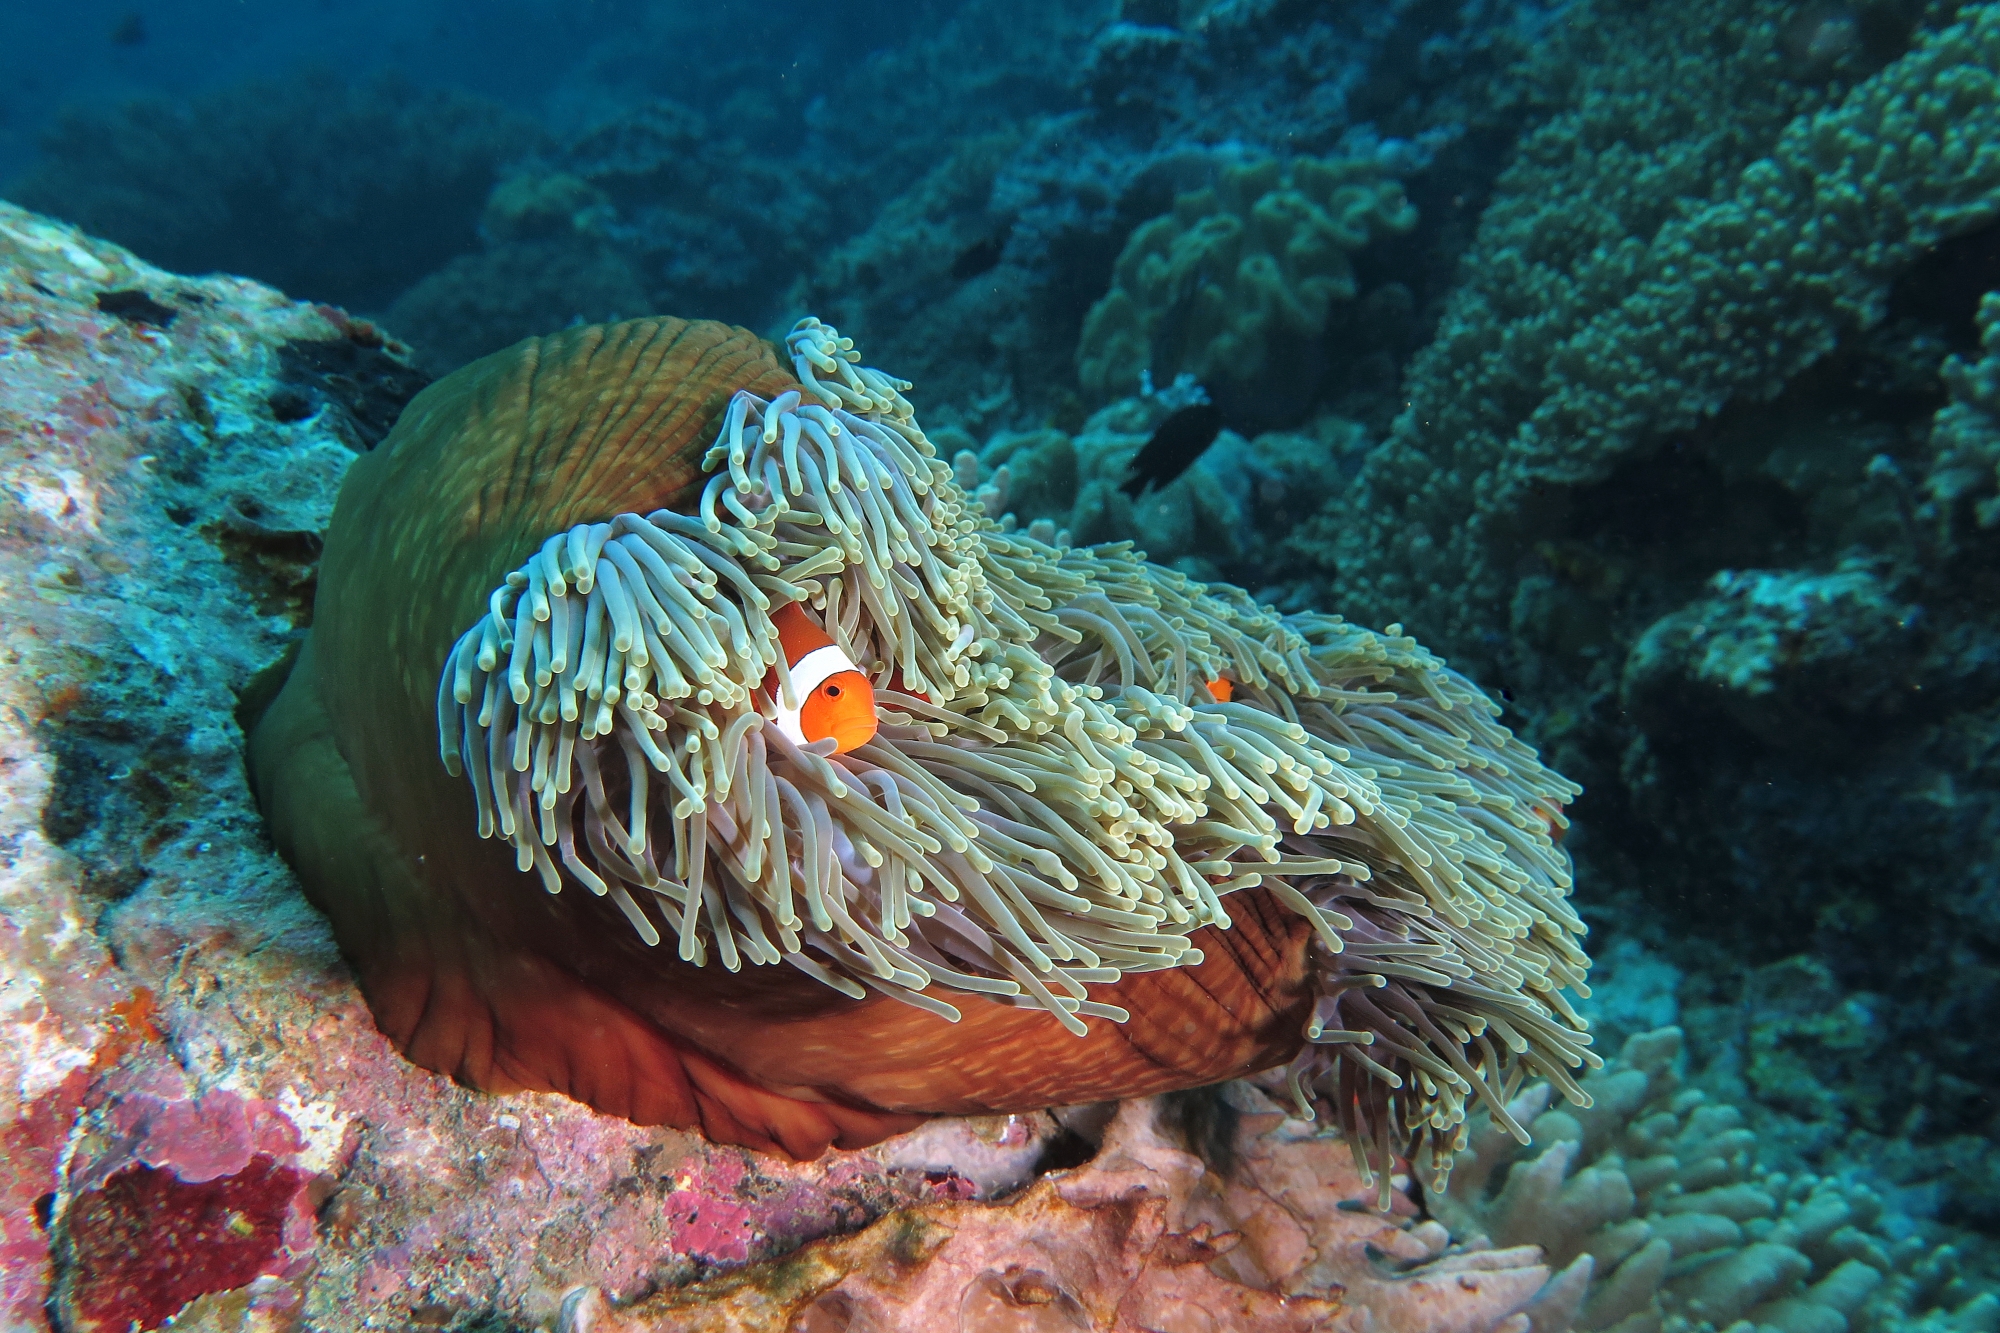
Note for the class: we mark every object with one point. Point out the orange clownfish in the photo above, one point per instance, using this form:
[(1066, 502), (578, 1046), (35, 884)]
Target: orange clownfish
[(1220, 689), (835, 699)]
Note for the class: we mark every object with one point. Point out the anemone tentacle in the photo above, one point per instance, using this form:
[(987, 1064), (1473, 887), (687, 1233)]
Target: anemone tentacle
[(1055, 798)]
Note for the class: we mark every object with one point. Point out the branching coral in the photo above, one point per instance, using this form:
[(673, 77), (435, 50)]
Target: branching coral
[(1214, 287), (1058, 826)]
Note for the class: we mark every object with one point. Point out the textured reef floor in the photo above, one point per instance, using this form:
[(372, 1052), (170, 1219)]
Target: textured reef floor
[(203, 1125)]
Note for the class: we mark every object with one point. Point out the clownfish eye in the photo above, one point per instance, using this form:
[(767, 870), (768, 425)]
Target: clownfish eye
[(833, 691)]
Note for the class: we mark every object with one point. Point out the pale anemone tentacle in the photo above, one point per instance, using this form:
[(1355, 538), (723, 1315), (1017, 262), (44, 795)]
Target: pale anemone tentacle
[(1054, 798)]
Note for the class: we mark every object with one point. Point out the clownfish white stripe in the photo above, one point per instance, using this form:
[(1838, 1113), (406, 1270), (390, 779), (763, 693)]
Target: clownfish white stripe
[(831, 699), (808, 674)]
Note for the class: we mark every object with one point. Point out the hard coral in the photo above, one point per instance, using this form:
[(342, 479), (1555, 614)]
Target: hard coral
[(1662, 1189), (1237, 272), (1615, 298)]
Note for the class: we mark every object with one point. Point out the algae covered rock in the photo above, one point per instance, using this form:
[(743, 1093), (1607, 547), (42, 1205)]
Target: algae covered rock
[(1216, 286), (1792, 657)]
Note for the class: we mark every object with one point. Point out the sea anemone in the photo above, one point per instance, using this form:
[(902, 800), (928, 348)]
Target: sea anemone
[(1114, 831)]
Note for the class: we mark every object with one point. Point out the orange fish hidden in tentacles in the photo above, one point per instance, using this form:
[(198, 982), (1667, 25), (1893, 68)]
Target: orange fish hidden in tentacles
[(834, 699)]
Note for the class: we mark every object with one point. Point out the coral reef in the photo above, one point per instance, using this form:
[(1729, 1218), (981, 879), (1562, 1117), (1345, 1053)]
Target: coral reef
[(1229, 516), (1797, 660), (655, 207), (1237, 274), (1657, 1192), (1678, 472), (1145, 1236), (1649, 1210), (929, 286), (1671, 470), (1590, 334), (182, 1032)]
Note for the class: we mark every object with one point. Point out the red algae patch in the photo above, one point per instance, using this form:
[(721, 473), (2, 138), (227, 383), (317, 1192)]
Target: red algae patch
[(147, 1242)]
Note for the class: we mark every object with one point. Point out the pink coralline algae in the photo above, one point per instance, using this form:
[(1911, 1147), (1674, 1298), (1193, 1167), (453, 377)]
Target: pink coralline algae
[(708, 1220), (1144, 1238)]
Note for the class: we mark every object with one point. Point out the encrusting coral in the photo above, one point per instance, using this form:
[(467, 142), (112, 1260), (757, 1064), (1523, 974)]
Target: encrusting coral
[(1117, 833)]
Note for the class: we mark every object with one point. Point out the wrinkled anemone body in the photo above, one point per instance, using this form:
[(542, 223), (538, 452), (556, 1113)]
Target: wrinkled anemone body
[(1104, 831)]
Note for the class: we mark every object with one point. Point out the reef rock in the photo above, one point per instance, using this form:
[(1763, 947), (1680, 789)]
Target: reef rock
[(1146, 1236)]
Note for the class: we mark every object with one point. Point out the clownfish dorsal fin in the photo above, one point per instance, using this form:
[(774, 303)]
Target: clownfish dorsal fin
[(798, 633)]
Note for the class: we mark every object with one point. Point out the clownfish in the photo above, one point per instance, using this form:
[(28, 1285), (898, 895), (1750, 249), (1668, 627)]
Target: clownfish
[(1220, 689), (835, 699)]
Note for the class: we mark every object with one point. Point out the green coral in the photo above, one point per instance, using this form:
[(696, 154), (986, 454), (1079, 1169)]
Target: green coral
[(1618, 295), (1965, 437), (1210, 287)]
